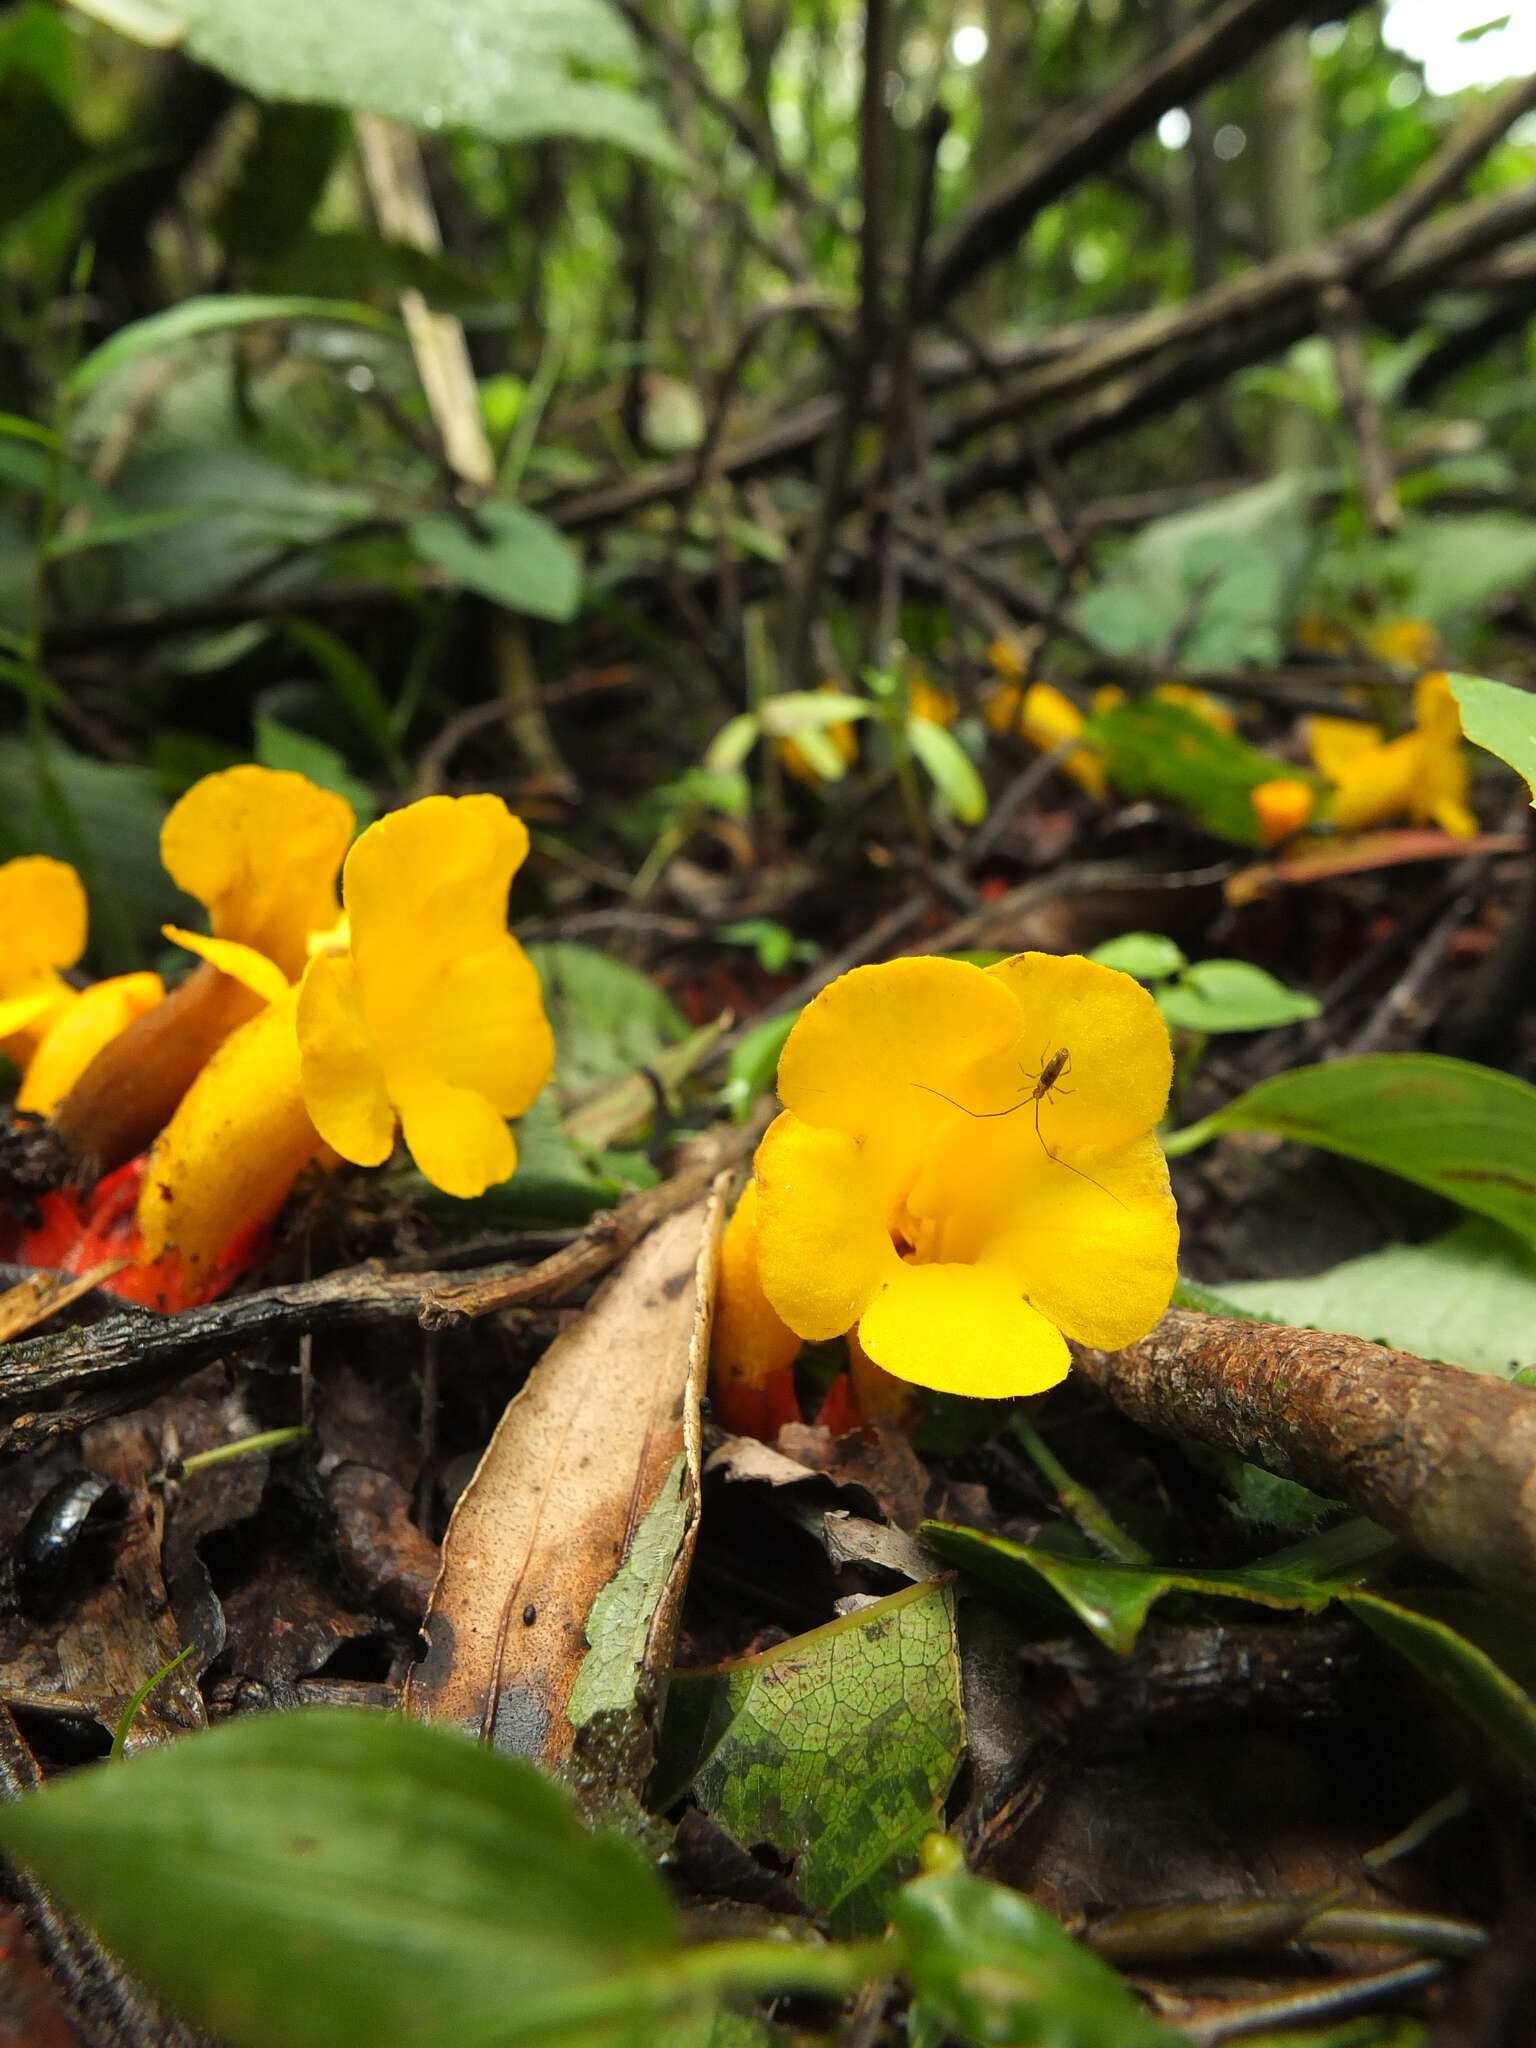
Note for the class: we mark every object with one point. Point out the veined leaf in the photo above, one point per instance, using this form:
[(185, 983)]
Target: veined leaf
[(1502, 719), (210, 315), (1465, 1131), (511, 555)]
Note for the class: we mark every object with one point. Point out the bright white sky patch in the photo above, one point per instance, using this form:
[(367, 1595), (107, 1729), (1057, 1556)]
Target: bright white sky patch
[(1429, 32), (968, 44)]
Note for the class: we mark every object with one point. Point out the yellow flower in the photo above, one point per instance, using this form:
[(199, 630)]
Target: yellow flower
[(1407, 643), (842, 735), (753, 1353), (92, 1020), (927, 700), (1200, 702), (238, 1141), (965, 1169), (1045, 718), (1421, 775), (1282, 807), (259, 848), (433, 1017), (42, 928)]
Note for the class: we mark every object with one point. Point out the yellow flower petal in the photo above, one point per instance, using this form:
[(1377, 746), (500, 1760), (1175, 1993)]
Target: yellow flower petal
[(863, 1050), (1046, 717), (1281, 807), (962, 1330), (1093, 1242), (26, 1016), (752, 1343), (90, 1022), (823, 1246), (42, 919), (341, 1074), (1454, 817), (1114, 1083), (432, 880), (259, 848), (1378, 784), (1335, 744), (253, 970), (235, 1146), (453, 1134)]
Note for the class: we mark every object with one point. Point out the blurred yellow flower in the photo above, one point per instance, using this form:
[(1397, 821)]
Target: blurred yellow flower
[(42, 928), (1045, 718), (1200, 702), (1406, 643), (259, 848), (965, 1169), (79, 1031), (1422, 775), (1282, 807), (927, 700), (433, 1017), (844, 741)]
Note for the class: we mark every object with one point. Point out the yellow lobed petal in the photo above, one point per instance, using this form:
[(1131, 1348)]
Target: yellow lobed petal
[(97, 1016), (752, 1343), (42, 920), (1378, 785), (253, 970), (1336, 744), (1046, 717), (862, 1052), (1114, 1083), (1435, 709), (27, 1015), (1281, 807), (928, 700), (340, 1070), (823, 1245), (962, 1330), (1413, 643), (235, 1146), (454, 1135), (259, 848), (1092, 1240)]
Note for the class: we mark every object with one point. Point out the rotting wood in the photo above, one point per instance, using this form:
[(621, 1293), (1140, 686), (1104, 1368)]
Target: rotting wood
[(604, 1434), (1442, 1457), (112, 1363)]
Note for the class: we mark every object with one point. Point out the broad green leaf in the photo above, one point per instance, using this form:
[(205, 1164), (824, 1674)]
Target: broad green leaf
[(993, 1967), (1146, 956), (212, 315), (838, 1747), (952, 770), (1465, 1131), (1452, 564), (1113, 1600), (608, 1018), (1232, 995), (27, 466), (509, 73), (336, 1879), (732, 744), (1460, 1668), (510, 555), (130, 529), (1468, 1298), (1156, 749), (280, 746), (753, 1063), (1502, 719)]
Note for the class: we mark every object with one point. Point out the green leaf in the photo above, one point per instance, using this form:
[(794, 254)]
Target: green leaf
[(1156, 749), (837, 1747), (355, 684), (1468, 1298), (994, 1967), (1460, 1668), (608, 1018), (1502, 719), (279, 746), (951, 768), (335, 1879), (510, 73), (1464, 1131), (1112, 1601), (30, 467), (1146, 956), (753, 1063), (213, 315), (794, 713), (732, 744), (511, 555), (1232, 995)]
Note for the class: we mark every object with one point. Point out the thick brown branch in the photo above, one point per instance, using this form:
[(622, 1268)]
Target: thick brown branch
[(1442, 1457)]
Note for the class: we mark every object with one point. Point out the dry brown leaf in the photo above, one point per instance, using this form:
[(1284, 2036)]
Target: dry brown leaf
[(44, 1294), (587, 1495)]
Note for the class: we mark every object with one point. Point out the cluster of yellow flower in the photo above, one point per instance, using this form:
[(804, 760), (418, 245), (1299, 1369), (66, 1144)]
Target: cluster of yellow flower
[(304, 1034)]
